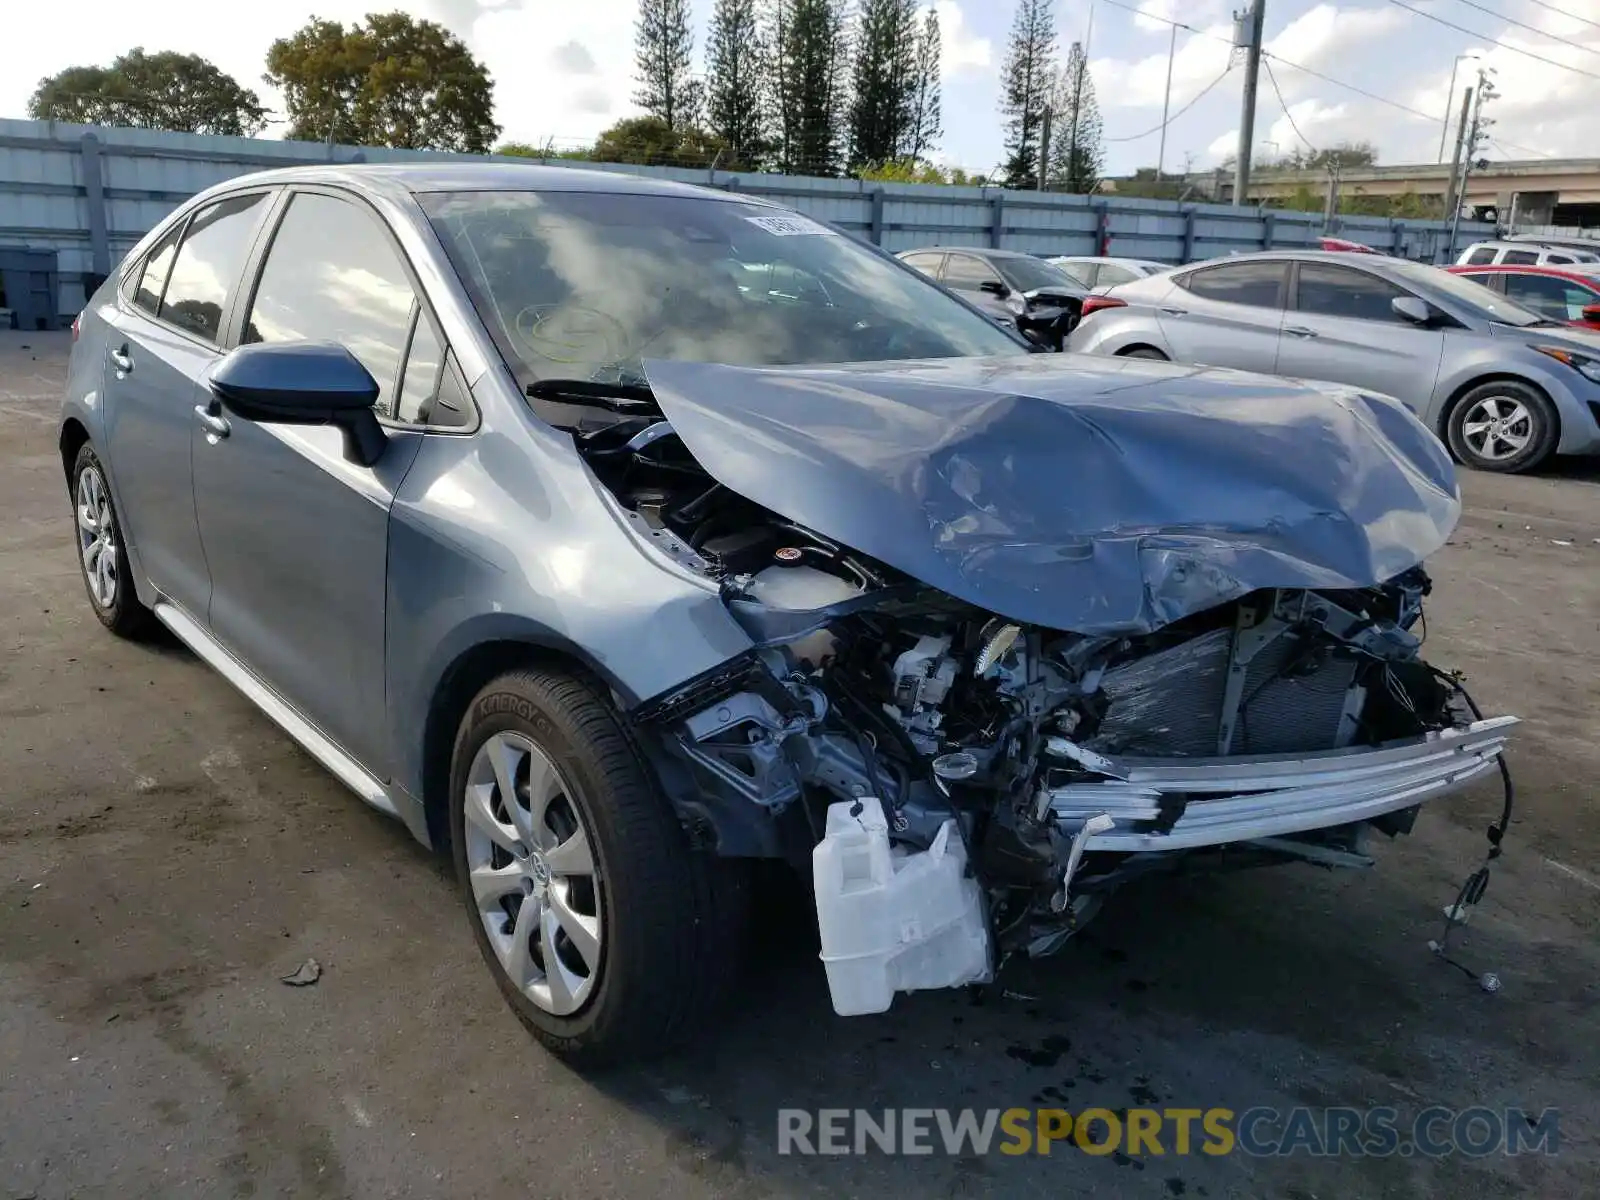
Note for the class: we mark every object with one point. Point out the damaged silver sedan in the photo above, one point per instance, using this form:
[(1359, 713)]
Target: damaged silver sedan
[(615, 535)]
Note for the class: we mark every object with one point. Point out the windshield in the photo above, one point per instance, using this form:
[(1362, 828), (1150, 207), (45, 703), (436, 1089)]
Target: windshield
[(1466, 293), (1030, 274), (585, 285)]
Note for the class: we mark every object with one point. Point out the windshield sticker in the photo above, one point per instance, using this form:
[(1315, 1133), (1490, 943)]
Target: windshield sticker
[(791, 227)]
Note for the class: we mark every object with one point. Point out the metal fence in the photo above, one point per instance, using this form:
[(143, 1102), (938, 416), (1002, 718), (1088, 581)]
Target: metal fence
[(88, 193)]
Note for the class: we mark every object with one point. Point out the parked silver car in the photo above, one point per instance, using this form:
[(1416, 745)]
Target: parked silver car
[(506, 492), (1503, 386), (1098, 273)]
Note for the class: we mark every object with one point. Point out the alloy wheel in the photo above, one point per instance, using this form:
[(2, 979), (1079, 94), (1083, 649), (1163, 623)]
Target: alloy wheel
[(1498, 427), (533, 873), (97, 537)]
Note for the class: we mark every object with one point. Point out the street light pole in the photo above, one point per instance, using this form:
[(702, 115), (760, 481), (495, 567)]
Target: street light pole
[(1250, 26)]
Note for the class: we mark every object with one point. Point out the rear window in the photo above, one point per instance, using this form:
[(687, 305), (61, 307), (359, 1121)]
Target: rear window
[(1256, 283)]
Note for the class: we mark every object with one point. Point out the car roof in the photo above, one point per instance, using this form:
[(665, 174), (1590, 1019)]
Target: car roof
[(462, 176), (1533, 244), (1587, 272), (980, 251)]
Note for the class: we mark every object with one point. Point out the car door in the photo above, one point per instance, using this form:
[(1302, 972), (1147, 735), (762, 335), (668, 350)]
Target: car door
[(296, 534), (967, 274), (1550, 295), (1226, 315), (164, 336), (1342, 327)]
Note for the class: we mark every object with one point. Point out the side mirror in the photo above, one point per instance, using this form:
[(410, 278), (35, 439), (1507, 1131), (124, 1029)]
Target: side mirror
[(995, 288), (304, 383), (1412, 309), (1591, 313)]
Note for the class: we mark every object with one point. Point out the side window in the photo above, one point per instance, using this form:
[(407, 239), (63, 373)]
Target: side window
[(1557, 258), (332, 275), (1110, 273), (1551, 297), (1482, 256), (964, 272), (928, 264), (153, 274), (209, 260), (419, 389), (1256, 283), (1520, 258), (1331, 291)]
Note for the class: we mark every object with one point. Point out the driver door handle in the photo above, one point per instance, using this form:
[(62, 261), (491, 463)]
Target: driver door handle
[(216, 426), (1300, 331)]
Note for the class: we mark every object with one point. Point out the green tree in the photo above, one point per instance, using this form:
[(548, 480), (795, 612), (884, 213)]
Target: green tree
[(166, 90), (1076, 153), (664, 62), (927, 123), (1026, 80), (650, 141), (736, 66), (884, 81), (811, 67), (544, 152), (392, 81)]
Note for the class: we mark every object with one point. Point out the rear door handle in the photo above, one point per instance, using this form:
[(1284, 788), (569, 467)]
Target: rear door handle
[(216, 426), (1300, 331), (121, 360), (1174, 312)]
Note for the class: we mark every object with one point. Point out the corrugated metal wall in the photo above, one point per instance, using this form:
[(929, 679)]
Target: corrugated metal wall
[(90, 193)]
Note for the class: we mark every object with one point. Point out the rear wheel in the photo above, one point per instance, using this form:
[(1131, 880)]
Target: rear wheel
[(1504, 425), (1149, 352), (609, 937), (102, 554)]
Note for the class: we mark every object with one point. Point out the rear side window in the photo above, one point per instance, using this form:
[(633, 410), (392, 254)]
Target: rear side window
[(1521, 258), (1255, 283), (1330, 291), (332, 275), (153, 276), (1558, 258), (1482, 256), (208, 264)]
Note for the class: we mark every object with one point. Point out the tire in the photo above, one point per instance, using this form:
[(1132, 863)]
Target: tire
[(103, 552), (1526, 433), (1149, 352), (648, 933)]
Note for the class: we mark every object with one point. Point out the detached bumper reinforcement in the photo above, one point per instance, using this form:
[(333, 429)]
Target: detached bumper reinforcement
[(1254, 796)]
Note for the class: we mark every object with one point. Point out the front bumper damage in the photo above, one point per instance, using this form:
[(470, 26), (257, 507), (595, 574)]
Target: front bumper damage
[(1182, 804)]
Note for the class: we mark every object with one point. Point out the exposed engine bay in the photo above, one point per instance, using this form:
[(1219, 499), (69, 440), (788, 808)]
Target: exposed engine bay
[(1284, 725)]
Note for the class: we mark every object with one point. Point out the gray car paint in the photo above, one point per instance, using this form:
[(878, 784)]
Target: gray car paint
[(1371, 356)]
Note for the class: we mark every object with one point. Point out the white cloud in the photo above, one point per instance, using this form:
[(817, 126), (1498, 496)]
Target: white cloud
[(960, 49), (1157, 16)]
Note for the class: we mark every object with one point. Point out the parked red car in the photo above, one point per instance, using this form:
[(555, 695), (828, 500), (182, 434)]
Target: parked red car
[(1569, 294)]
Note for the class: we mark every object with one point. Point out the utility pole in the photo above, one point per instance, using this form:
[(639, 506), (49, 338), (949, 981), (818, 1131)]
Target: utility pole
[(1450, 197), (1044, 148), (1332, 208), (1470, 151), (1250, 24), (1166, 103), (1444, 125)]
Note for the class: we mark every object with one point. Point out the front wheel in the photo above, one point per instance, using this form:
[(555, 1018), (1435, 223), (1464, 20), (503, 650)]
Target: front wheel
[(1504, 425), (607, 934)]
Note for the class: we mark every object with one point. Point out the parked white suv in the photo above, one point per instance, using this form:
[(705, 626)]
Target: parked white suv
[(1526, 254)]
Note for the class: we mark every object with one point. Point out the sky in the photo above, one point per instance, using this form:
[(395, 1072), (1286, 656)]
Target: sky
[(563, 68)]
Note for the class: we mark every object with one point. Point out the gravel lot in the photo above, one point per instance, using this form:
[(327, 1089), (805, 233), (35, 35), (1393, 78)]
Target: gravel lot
[(166, 855)]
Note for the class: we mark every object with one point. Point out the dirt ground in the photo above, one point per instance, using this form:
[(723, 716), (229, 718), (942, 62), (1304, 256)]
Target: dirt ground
[(166, 854)]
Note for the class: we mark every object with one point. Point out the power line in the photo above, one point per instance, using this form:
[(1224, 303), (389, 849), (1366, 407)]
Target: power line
[(1496, 41), (1500, 16), (1564, 13), (1196, 100), (1138, 12), (1278, 92)]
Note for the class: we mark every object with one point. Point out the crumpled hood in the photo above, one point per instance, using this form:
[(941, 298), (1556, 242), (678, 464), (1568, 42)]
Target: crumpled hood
[(1098, 495)]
